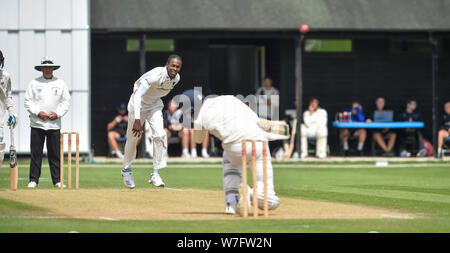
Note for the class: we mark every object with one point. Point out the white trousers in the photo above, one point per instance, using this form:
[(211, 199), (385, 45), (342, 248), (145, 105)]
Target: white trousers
[(232, 169), (3, 116), (321, 133), (159, 139)]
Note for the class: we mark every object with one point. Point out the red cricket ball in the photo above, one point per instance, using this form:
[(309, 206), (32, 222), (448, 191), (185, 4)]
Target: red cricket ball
[(304, 28)]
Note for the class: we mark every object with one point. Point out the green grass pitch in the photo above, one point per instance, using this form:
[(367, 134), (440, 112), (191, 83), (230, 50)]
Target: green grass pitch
[(421, 189)]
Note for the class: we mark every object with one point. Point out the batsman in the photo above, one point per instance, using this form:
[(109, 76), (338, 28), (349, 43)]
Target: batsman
[(6, 105), (145, 104), (232, 121)]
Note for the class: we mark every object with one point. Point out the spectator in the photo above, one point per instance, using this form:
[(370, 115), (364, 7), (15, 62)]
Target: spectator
[(47, 99), (266, 106), (195, 99), (410, 114), (314, 125), (357, 115), (444, 129), (379, 135), (117, 128), (172, 123)]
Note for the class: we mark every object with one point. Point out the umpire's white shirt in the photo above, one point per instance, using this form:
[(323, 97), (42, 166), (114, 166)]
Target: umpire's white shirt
[(47, 95)]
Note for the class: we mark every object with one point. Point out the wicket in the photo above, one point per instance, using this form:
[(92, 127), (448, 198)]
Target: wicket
[(69, 154), (244, 178)]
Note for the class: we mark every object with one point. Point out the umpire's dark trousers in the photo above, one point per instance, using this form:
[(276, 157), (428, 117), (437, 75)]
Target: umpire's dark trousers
[(53, 151)]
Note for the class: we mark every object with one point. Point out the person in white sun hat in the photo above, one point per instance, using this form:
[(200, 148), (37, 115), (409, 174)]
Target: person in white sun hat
[(47, 99)]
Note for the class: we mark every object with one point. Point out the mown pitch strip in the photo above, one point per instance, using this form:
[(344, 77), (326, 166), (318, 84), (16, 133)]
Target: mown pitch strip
[(176, 204)]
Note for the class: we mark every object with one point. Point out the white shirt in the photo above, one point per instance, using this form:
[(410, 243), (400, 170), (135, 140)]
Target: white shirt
[(263, 94), (318, 118), (149, 88), (47, 95), (229, 119), (6, 102)]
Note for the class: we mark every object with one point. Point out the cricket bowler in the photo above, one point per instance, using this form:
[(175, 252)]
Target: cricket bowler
[(232, 121), (145, 104)]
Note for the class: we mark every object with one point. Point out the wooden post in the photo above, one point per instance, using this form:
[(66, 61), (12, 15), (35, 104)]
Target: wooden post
[(266, 202), (77, 165), (244, 178), (69, 161), (255, 180), (298, 88)]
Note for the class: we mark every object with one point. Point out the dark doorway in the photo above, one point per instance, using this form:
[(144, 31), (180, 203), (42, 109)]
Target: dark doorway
[(235, 69)]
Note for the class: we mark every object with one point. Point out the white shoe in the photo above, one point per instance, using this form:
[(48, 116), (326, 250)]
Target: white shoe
[(405, 153), (231, 208), (193, 153), (303, 156), (205, 153), (119, 155), (32, 184), (156, 180), (421, 153), (185, 154), (58, 185), (128, 179), (321, 157)]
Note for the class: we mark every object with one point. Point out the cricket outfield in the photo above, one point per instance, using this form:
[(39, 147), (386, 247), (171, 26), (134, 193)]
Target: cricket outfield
[(315, 197)]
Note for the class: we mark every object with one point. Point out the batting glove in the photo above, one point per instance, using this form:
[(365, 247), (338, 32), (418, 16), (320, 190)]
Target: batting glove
[(12, 121)]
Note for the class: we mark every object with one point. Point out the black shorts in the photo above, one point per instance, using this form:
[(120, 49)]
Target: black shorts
[(174, 133), (122, 132), (384, 133), (353, 130)]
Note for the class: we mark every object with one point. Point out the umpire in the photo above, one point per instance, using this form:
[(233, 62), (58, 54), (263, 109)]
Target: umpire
[(47, 99)]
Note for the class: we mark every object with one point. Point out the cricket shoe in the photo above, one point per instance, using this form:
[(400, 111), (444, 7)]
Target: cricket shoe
[(128, 179), (240, 205), (32, 184), (231, 208), (156, 180), (58, 185)]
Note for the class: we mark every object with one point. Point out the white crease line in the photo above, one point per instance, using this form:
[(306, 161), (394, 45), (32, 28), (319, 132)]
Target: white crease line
[(396, 216), (107, 218), (174, 189)]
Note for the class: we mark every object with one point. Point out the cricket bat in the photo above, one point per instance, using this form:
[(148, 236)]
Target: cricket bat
[(289, 152), (14, 170)]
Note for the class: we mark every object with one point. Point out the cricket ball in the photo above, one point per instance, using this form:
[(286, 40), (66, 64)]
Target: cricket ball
[(304, 28)]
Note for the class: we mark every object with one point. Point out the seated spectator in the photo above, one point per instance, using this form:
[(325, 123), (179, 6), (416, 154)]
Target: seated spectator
[(410, 114), (357, 115), (314, 125), (172, 122), (117, 128), (265, 104), (380, 134), (444, 128)]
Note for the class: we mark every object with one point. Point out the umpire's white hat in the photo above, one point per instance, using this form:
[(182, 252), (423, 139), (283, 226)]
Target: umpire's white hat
[(46, 62)]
